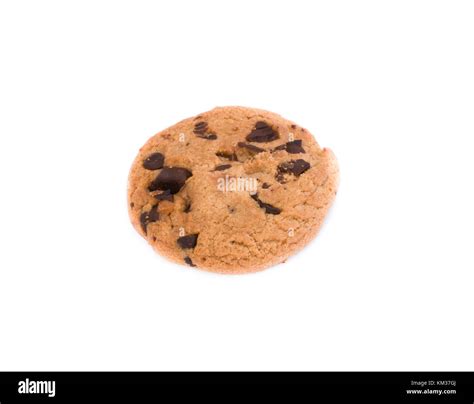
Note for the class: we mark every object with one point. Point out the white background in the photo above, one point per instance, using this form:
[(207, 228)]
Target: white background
[(387, 285)]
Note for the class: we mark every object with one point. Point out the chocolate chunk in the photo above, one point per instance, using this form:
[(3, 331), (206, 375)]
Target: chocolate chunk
[(293, 147), (268, 208), (223, 167), (144, 221), (187, 207), (262, 133), (170, 178), (295, 167), (154, 161), (153, 214), (132, 205), (188, 241), (227, 155), (149, 217), (210, 136), (250, 147), (188, 261), (272, 210), (265, 185), (165, 196), (200, 128), (293, 126)]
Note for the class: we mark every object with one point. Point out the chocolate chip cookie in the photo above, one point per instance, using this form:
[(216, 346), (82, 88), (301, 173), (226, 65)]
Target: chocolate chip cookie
[(231, 190)]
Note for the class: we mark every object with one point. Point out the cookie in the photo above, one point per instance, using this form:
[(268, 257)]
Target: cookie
[(231, 190)]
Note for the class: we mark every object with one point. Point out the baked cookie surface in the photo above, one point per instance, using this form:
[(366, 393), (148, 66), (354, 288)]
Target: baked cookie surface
[(231, 190)]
